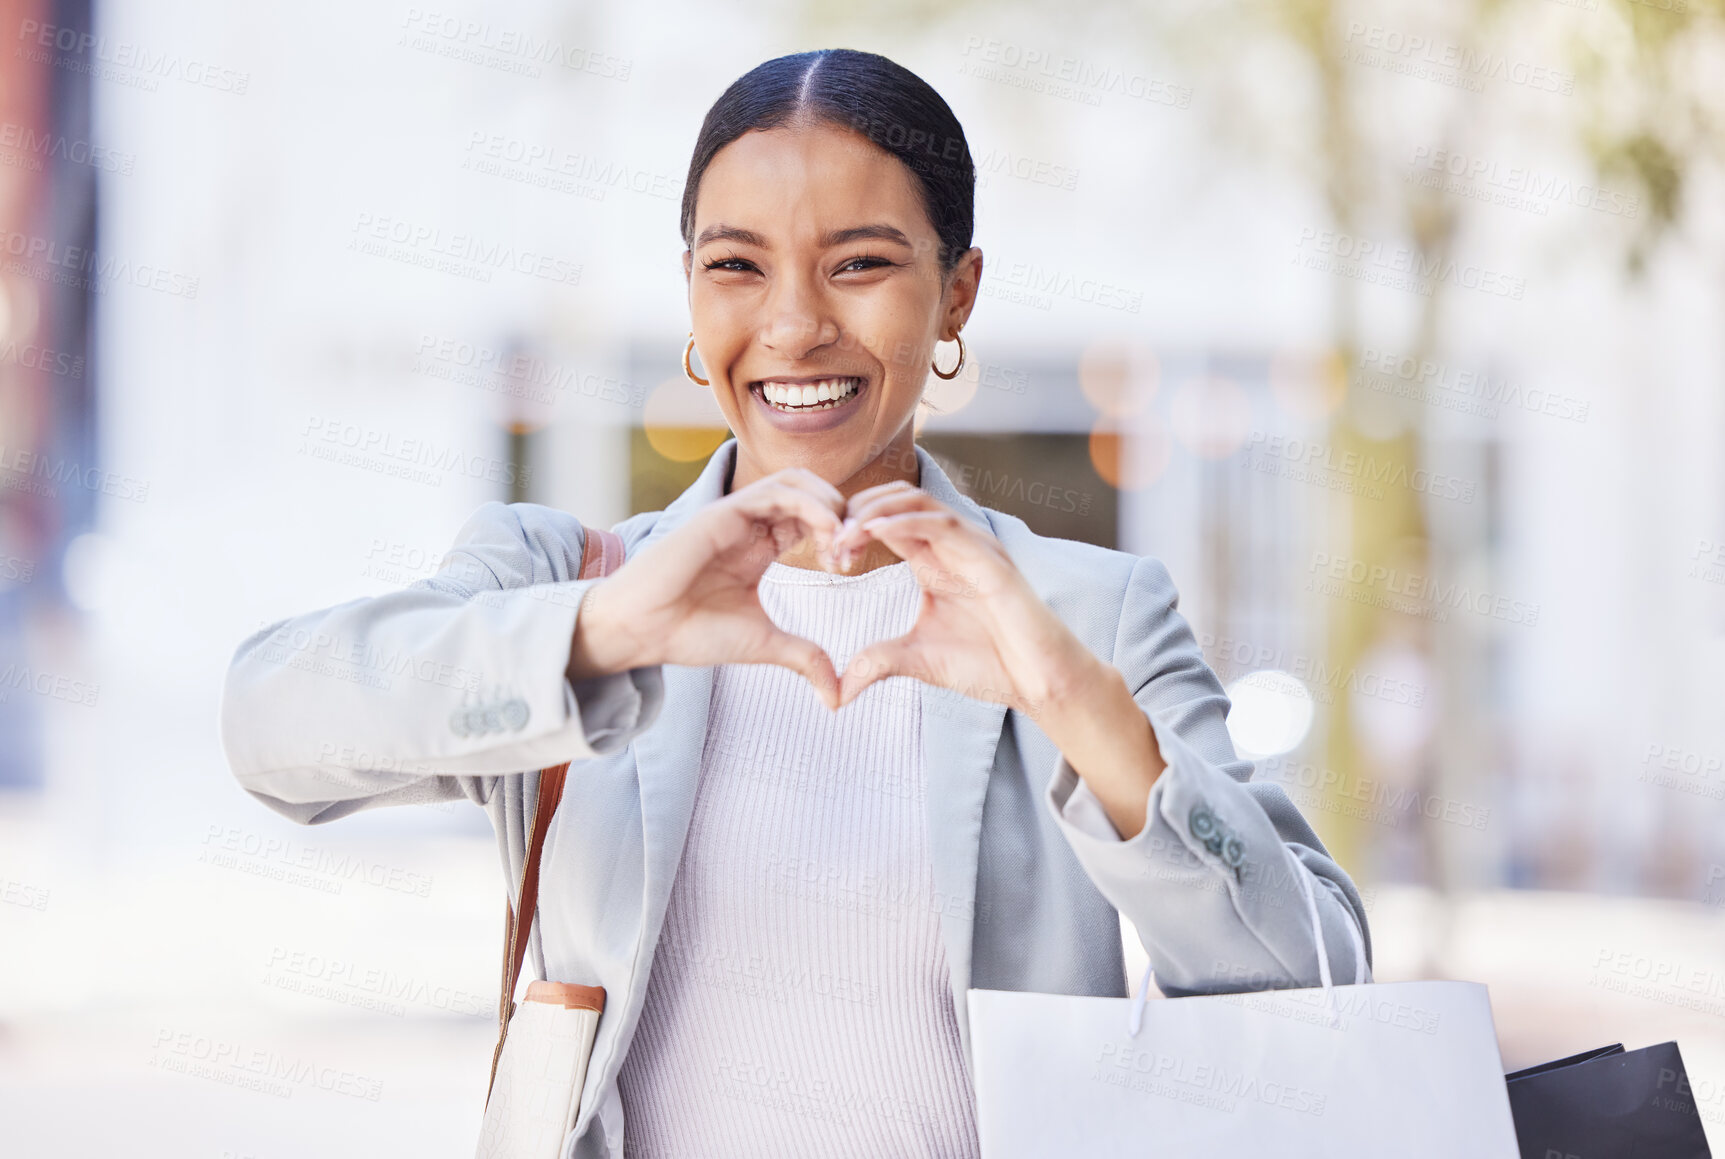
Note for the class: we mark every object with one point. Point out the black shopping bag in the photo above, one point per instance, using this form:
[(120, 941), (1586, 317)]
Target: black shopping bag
[(1608, 1104)]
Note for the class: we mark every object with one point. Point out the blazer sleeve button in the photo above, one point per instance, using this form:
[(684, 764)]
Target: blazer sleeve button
[(514, 714), (458, 722), (1203, 824)]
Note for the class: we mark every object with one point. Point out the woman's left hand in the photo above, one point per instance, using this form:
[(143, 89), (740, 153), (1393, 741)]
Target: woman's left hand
[(983, 632), (981, 629)]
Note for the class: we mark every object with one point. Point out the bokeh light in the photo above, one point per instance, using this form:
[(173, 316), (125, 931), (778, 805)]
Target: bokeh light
[(683, 421), (1118, 376), (1130, 458), (1308, 384), (1210, 416), (1271, 714)]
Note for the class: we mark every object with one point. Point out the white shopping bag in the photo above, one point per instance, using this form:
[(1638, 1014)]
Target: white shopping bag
[(1409, 1069)]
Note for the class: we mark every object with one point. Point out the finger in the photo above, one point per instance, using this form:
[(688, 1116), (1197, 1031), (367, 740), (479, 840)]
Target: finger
[(946, 554), (917, 528), (793, 489), (806, 658), (896, 657), (847, 535), (856, 502), (828, 496), (893, 497), (815, 483), (869, 494), (786, 510), (852, 538), (806, 480)]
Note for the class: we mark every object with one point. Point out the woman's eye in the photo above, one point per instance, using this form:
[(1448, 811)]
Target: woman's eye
[(736, 264), (863, 263)]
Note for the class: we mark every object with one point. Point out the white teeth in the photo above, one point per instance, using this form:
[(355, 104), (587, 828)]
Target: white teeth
[(828, 392)]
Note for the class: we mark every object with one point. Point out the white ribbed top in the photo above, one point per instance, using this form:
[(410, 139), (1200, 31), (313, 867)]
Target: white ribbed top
[(798, 1003)]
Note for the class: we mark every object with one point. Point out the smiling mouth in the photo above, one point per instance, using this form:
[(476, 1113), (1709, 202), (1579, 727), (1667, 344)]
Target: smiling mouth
[(804, 397)]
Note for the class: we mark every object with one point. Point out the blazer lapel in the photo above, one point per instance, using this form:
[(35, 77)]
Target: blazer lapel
[(959, 739), (668, 763), (668, 755)]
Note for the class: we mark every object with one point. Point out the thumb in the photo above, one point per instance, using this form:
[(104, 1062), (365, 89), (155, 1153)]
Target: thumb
[(876, 662), (804, 657)]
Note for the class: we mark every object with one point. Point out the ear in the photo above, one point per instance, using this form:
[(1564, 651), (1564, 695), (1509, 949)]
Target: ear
[(961, 290), (688, 266)]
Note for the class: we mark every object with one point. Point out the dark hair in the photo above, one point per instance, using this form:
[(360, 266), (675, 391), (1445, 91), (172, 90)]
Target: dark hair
[(868, 94)]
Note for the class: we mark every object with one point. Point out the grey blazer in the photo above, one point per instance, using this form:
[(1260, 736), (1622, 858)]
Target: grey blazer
[(455, 687)]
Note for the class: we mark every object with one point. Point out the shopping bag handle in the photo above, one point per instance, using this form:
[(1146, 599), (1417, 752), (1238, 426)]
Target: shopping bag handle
[(1135, 1014), (602, 552)]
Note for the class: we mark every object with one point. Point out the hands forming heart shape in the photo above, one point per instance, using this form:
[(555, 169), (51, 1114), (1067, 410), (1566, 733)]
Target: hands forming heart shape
[(692, 599)]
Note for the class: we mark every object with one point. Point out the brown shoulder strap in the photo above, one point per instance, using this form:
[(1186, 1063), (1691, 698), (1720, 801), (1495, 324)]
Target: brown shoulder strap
[(601, 554)]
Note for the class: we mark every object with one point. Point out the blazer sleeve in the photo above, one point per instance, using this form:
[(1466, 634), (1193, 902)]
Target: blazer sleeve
[(432, 692), (1218, 902)]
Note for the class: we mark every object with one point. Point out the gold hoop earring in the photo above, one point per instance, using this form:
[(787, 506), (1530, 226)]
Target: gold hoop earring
[(953, 373), (688, 369)]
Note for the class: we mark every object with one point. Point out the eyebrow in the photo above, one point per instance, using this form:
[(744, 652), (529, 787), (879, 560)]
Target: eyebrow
[(833, 237), (858, 233), (730, 233)]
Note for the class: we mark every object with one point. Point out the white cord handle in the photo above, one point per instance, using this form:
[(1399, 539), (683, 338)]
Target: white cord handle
[(1305, 876), (1135, 1017)]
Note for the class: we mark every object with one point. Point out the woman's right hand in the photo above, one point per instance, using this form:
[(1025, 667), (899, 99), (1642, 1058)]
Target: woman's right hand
[(691, 598)]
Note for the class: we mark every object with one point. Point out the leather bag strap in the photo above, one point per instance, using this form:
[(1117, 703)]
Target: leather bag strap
[(601, 554)]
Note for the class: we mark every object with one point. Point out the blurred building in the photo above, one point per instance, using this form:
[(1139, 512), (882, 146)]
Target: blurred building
[(51, 270)]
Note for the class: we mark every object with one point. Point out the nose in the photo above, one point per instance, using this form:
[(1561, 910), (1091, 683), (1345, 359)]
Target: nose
[(798, 318)]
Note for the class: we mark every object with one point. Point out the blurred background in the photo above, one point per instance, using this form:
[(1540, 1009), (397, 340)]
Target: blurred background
[(1394, 329)]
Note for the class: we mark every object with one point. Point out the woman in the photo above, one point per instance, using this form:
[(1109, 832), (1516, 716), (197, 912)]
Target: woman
[(846, 743)]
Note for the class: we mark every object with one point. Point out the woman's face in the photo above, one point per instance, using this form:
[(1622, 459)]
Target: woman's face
[(817, 299)]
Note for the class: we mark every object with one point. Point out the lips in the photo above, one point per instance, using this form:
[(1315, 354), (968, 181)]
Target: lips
[(805, 396)]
